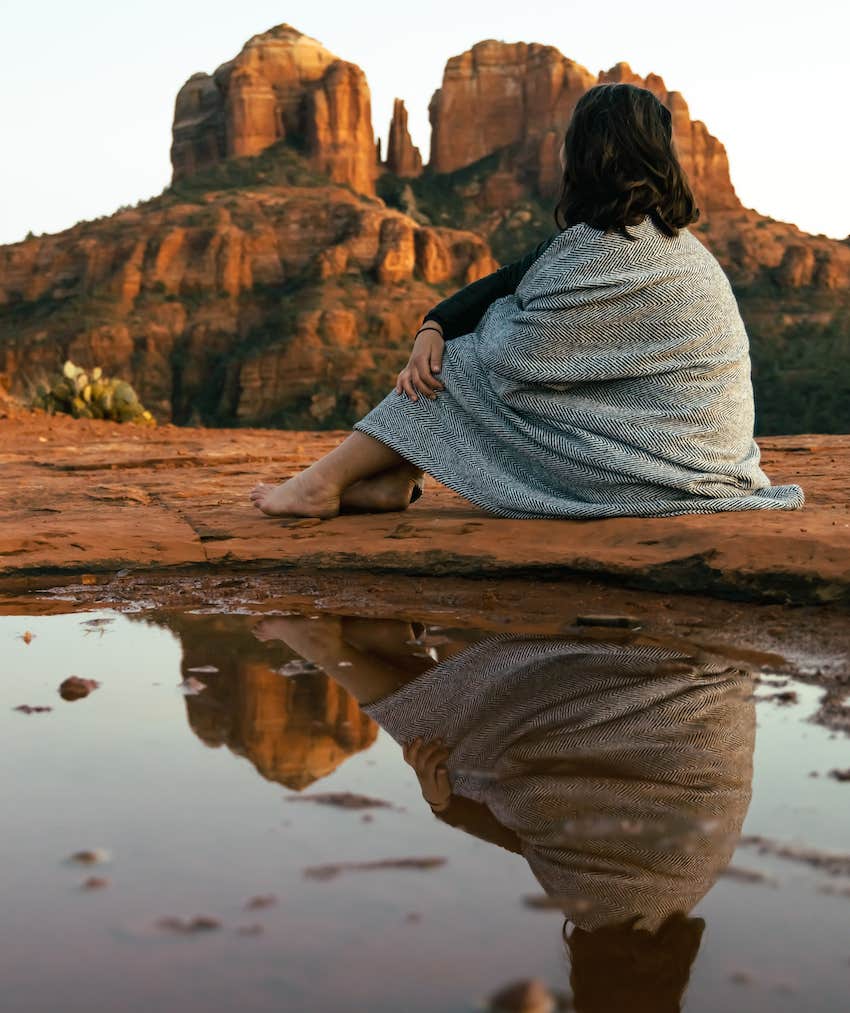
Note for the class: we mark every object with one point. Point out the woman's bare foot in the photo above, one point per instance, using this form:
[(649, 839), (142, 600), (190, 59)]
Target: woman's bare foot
[(390, 490), (303, 495)]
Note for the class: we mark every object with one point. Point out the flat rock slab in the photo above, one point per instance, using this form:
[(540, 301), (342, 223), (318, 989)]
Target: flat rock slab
[(93, 497)]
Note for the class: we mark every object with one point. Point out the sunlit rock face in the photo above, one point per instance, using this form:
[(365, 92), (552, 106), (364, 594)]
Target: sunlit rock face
[(283, 85), (498, 94), (403, 158), (238, 307)]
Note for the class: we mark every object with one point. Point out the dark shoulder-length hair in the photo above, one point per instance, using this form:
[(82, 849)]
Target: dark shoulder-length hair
[(621, 164)]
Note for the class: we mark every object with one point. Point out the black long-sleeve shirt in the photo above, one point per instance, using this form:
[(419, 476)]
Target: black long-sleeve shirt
[(460, 313)]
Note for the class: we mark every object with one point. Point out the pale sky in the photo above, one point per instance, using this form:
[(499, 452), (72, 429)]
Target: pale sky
[(88, 87)]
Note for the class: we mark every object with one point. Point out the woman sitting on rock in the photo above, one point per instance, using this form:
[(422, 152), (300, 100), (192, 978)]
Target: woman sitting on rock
[(606, 373)]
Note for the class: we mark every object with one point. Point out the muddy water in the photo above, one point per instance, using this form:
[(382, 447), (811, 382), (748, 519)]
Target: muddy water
[(608, 779)]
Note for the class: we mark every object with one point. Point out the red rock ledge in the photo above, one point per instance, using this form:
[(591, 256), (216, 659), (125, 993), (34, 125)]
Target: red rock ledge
[(92, 497)]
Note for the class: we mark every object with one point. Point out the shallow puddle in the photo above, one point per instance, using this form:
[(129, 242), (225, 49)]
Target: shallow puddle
[(218, 825)]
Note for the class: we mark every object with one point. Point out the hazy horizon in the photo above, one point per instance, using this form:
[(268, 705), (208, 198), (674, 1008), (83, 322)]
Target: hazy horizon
[(101, 109)]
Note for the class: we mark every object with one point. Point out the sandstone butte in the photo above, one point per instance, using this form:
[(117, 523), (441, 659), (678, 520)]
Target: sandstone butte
[(280, 277)]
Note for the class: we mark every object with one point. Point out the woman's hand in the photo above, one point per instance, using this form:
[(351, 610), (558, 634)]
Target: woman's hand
[(428, 760), (426, 359)]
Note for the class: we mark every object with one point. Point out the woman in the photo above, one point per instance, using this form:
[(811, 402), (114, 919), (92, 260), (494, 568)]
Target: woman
[(605, 374)]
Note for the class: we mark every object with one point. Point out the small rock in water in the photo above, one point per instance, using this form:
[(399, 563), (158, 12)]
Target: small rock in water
[(783, 698), (343, 800), (748, 875), (26, 708), (840, 775), (192, 686), (332, 870), (261, 901), (93, 856), (530, 996), (189, 926), (298, 667), (75, 688), (95, 883), (27, 637)]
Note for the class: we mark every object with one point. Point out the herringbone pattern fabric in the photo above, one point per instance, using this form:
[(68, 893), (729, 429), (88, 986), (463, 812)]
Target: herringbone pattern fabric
[(614, 382), (624, 769)]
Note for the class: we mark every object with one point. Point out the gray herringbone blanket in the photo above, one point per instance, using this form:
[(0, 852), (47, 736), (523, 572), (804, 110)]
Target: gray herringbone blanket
[(614, 382)]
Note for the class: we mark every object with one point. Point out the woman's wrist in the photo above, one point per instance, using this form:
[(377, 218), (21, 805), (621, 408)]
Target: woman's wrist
[(431, 326)]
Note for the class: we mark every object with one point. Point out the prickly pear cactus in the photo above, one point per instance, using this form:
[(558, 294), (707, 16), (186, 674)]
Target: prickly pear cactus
[(91, 395)]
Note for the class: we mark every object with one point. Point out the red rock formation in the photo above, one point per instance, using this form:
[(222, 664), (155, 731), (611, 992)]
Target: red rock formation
[(181, 288), (402, 157), (499, 94), (703, 157), (267, 295), (283, 85)]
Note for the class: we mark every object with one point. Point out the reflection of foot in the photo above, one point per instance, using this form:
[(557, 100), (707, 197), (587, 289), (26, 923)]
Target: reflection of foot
[(384, 637), (304, 495), (319, 641)]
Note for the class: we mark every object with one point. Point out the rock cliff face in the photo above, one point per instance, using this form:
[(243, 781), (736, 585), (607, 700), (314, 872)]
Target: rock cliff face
[(403, 158), (270, 285), (293, 304), (500, 94), (282, 86)]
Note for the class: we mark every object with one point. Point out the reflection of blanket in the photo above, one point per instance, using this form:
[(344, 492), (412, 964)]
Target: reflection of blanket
[(615, 381), (624, 769)]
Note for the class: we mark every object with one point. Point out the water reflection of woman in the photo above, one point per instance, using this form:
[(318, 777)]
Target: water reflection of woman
[(620, 771)]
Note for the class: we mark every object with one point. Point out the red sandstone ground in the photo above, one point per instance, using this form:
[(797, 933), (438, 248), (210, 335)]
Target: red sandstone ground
[(96, 497)]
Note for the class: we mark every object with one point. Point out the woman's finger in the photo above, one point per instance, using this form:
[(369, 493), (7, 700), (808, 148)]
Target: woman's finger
[(407, 387), (436, 360), (425, 383), (431, 757), (415, 746), (443, 784), (422, 368)]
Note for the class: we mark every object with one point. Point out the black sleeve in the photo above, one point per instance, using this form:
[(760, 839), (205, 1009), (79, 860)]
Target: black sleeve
[(460, 313)]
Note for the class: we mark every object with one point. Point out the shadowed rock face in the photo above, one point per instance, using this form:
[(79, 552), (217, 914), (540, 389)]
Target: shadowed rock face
[(283, 85)]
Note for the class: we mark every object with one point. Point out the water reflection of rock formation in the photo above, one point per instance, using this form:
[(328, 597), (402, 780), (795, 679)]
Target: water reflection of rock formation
[(294, 729)]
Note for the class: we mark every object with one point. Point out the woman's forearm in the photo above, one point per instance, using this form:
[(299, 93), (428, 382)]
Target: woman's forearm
[(476, 819), (461, 312)]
